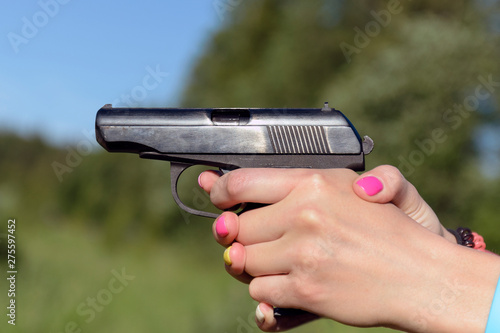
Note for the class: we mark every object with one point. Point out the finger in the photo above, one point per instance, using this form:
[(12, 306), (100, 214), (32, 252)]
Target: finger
[(273, 289), (234, 259), (255, 226), (264, 317), (258, 225), (243, 277), (268, 322), (225, 228), (207, 179), (265, 185), (268, 258), (256, 260), (261, 225), (278, 290)]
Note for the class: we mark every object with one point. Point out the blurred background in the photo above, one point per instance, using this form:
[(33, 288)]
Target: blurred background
[(100, 244)]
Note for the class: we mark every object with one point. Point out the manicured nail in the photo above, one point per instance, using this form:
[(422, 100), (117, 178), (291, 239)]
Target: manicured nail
[(371, 185), (220, 227), (259, 315), (199, 180), (227, 256)]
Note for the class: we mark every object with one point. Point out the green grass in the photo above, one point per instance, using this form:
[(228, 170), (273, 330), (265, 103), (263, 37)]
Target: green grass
[(176, 287)]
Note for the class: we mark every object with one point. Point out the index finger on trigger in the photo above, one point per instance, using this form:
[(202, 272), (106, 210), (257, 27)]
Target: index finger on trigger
[(207, 179), (264, 185)]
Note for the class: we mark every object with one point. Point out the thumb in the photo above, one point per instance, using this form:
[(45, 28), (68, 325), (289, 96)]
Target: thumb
[(386, 184)]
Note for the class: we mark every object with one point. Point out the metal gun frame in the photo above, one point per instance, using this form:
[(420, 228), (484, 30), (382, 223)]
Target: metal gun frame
[(230, 138)]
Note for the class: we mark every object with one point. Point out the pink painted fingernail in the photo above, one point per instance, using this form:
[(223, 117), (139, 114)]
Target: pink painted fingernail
[(220, 226), (199, 180), (371, 185)]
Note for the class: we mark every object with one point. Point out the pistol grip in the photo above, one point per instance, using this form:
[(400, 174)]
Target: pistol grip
[(290, 318)]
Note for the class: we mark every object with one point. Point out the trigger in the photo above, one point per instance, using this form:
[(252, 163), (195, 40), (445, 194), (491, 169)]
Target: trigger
[(223, 171), (176, 169)]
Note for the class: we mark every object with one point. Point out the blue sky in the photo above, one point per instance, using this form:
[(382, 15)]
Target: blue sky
[(61, 60)]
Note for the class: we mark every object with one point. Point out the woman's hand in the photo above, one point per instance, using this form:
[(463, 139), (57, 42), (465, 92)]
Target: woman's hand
[(321, 248), (383, 184)]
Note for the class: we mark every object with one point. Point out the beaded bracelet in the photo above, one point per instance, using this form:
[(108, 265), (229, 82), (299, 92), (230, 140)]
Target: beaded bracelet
[(468, 238)]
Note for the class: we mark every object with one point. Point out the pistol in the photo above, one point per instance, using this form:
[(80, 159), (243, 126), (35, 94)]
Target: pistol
[(231, 138)]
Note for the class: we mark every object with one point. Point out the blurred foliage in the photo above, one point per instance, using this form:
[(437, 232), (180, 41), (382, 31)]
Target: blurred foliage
[(416, 85), (120, 195)]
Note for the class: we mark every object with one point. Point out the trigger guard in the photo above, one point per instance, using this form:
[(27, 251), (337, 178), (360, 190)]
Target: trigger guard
[(176, 169)]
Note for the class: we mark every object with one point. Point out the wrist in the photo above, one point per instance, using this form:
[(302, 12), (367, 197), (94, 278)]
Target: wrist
[(463, 303), (452, 292)]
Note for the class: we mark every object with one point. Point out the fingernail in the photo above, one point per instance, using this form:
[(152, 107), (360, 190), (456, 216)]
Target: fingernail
[(220, 227), (227, 256), (259, 315), (199, 180), (371, 185)]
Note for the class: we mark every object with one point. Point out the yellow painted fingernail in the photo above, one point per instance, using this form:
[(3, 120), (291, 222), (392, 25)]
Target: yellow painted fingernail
[(227, 257)]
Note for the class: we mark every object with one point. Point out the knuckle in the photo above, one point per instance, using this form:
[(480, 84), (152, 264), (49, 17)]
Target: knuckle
[(394, 178), (310, 211), (307, 293), (303, 256), (308, 257), (254, 291), (235, 183), (391, 172), (311, 216), (258, 293), (318, 180), (317, 184)]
